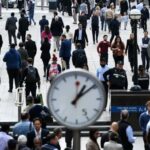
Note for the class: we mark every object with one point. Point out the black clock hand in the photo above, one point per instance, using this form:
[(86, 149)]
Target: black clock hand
[(78, 95), (81, 93)]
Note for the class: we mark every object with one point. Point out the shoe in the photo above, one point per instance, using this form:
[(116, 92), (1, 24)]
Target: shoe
[(10, 91), (1, 17)]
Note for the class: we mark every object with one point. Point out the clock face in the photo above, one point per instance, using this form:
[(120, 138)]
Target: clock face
[(76, 98)]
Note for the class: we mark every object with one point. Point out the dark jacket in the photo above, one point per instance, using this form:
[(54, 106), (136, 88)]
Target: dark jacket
[(84, 37), (24, 76), (123, 7), (31, 135), (76, 56), (114, 26), (95, 21), (43, 23), (65, 49), (57, 27), (117, 78), (130, 48), (144, 14), (45, 48), (123, 125), (83, 21), (12, 59), (11, 24), (31, 48), (23, 24), (1, 41)]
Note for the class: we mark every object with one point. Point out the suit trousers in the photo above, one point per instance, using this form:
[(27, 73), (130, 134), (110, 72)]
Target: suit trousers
[(145, 58), (13, 74), (12, 33), (31, 87), (23, 36), (95, 33), (67, 60)]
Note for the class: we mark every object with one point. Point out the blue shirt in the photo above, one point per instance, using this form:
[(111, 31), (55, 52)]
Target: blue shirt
[(101, 71), (22, 128), (129, 133)]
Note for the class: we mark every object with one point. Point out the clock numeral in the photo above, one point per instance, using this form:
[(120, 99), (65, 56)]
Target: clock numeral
[(56, 88), (64, 79), (76, 121), (65, 118), (98, 98), (84, 112), (57, 110), (53, 99), (87, 118), (95, 110)]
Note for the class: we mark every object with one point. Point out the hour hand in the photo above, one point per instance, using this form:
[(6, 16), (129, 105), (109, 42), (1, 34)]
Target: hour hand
[(78, 95)]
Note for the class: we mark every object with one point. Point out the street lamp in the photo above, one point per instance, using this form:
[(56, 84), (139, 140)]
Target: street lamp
[(135, 15)]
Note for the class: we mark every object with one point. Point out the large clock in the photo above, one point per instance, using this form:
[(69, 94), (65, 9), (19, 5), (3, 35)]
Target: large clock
[(76, 98)]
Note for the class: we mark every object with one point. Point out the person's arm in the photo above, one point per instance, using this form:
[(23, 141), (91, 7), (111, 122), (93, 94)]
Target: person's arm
[(129, 133), (24, 74), (142, 123), (61, 50), (127, 46), (106, 74), (99, 48), (1, 41), (126, 84), (97, 73), (35, 49), (75, 35), (59, 68), (5, 58)]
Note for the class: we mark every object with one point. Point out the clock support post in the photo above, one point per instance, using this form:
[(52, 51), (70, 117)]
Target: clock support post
[(76, 140)]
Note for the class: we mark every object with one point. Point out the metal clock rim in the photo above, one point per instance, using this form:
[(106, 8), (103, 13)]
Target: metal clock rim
[(75, 71)]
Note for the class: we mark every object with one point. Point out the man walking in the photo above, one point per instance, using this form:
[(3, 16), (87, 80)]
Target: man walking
[(126, 131), (43, 22), (23, 27), (31, 77), (144, 53), (30, 46), (65, 50), (102, 48), (13, 62), (80, 36), (11, 28)]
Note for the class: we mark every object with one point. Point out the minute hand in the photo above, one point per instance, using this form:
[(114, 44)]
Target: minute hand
[(83, 93)]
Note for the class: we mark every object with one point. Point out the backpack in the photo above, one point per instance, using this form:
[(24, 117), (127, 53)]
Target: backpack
[(53, 71), (81, 59), (31, 75)]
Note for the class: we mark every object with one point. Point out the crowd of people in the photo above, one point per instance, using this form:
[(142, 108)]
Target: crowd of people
[(31, 132)]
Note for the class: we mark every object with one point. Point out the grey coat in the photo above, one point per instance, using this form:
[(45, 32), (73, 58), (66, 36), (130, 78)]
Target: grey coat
[(11, 24)]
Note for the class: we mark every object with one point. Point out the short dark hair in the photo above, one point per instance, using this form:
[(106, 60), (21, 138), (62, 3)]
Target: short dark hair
[(55, 13), (24, 116), (51, 136), (63, 35), (105, 35), (113, 136), (12, 144), (30, 60), (57, 131), (37, 119), (21, 44), (29, 35), (13, 45), (12, 14)]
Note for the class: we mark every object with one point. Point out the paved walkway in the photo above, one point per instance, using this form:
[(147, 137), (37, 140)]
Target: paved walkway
[(8, 109)]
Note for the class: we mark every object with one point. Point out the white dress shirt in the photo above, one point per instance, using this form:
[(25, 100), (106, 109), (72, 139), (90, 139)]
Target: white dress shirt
[(80, 35)]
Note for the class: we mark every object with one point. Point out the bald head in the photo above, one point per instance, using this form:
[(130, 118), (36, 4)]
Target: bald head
[(114, 127), (124, 114)]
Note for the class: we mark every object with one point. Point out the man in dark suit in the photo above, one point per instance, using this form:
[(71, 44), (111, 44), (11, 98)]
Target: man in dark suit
[(11, 28), (38, 132), (23, 27), (65, 50), (30, 46), (80, 36)]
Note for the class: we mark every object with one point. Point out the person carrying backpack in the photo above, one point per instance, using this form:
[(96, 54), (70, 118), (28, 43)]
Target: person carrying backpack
[(53, 69), (79, 58), (31, 77)]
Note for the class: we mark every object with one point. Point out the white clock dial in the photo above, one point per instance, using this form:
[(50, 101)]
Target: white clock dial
[(76, 98)]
